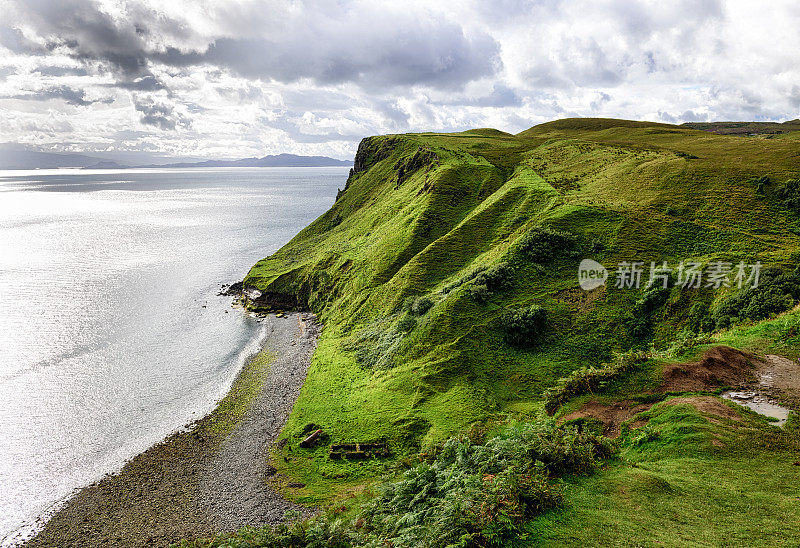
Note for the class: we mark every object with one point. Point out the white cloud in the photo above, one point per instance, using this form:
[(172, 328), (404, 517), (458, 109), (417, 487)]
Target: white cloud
[(255, 77)]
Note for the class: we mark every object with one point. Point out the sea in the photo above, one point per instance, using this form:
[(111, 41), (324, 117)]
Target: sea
[(112, 332)]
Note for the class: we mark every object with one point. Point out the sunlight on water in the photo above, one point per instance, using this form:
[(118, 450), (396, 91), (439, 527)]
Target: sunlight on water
[(111, 331)]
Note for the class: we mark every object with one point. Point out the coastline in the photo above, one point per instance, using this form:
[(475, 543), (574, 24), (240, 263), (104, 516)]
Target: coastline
[(209, 478)]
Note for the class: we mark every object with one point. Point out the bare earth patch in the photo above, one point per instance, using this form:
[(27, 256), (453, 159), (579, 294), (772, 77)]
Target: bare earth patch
[(612, 416), (719, 366), (780, 377)]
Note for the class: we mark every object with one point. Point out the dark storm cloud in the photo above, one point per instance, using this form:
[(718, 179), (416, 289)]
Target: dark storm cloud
[(159, 114), (439, 57), (69, 95), (145, 83), (61, 71), (375, 54)]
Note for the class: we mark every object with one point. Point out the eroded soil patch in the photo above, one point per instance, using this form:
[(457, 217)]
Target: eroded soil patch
[(719, 366), (612, 415)]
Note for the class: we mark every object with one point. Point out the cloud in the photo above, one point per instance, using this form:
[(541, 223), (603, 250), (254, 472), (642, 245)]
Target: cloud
[(251, 77), (69, 95), (144, 83), (375, 46), (159, 114)]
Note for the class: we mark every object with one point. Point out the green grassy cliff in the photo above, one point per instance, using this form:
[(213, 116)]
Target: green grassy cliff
[(446, 275)]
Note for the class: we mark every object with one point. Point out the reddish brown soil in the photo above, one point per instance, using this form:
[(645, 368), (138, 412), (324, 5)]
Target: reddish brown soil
[(719, 366), (612, 416)]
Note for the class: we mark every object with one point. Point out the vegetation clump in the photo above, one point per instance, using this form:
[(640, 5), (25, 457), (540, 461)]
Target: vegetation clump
[(590, 379), (760, 183), (492, 280), (465, 495), (418, 306), (776, 292), (376, 345), (543, 245), (639, 322), (789, 194), (524, 326)]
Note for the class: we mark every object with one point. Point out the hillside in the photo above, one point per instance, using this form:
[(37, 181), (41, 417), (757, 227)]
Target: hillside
[(446, 275)]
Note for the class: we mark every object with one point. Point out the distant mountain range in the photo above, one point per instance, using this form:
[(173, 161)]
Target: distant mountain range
[(26, 159), (278, 160)]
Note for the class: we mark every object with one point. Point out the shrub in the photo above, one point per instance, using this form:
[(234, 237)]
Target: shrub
[(376, 345), (789, 194), (476, 495), (760, 183), (407, 323), (699, 319), (421, 305), (496, 278), (466, 495), (590, 379), (417, 306), (524, 326), (639, 322), (491, 280), (468, 277), (544, 245), (777, 292), (480, 293)]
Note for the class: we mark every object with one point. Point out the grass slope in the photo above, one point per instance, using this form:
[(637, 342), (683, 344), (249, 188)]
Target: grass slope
[(422, 215)]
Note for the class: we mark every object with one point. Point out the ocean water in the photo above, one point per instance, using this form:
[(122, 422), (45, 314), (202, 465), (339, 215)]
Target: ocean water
[(112, 334)]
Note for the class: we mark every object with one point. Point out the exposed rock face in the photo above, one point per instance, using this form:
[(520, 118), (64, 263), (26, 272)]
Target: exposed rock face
[(233, 290), (262, 301), (423, 157), (371, 150)]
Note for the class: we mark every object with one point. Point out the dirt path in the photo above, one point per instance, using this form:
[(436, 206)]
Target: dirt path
[(199, 482), (234, 487), (780, 377)]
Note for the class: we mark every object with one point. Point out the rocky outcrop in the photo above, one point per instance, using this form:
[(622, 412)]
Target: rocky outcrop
[(407, 166), (264, 301), (371, 150)]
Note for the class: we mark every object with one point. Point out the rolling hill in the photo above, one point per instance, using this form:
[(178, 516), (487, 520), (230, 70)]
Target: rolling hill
[(446, 275)]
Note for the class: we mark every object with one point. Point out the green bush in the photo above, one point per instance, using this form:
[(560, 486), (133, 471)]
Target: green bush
[(524, 326), (480, 293), (468, 277), (376, 345), (496, 278), (590, 379), (464, 495), (407, 323), (491, 280), (543, 245), (639, 322), (760, 183), (421, 305), (789, 194), (478, 495), (417, 306), (700, 319), (777, 292)]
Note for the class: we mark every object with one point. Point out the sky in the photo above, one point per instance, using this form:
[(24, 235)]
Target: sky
[(239, 78)]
